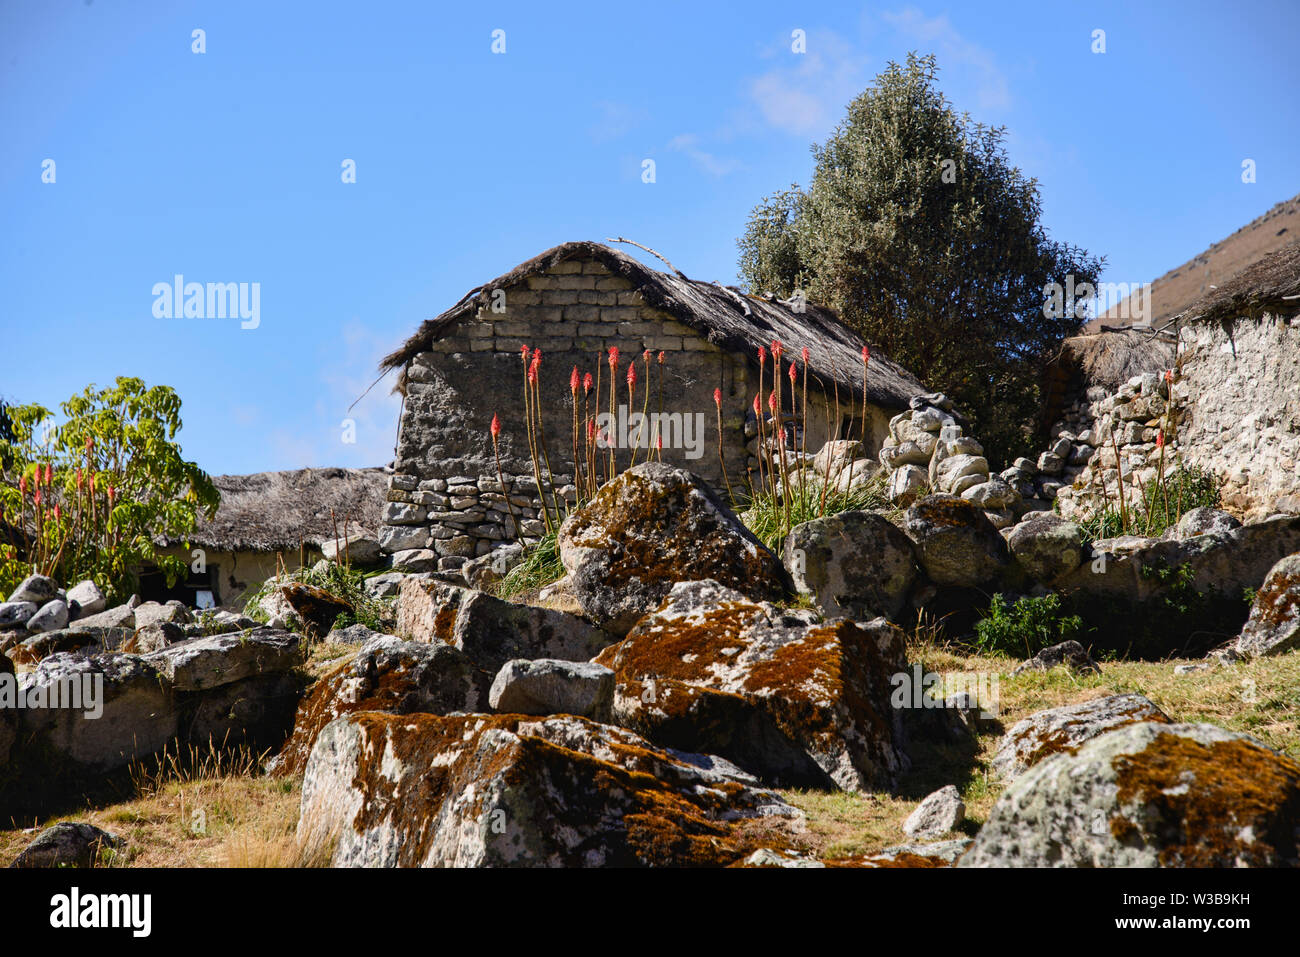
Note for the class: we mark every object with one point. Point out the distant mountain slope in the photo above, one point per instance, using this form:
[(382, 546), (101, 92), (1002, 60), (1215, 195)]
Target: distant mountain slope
[(1179, 288)]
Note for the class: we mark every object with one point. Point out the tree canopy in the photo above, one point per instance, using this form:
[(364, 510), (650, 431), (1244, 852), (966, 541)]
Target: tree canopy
[(917, 229)]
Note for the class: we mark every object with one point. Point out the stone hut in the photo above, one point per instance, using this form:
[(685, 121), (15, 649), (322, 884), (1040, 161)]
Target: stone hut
[(267, 518), (575, 302), (1232, 409)]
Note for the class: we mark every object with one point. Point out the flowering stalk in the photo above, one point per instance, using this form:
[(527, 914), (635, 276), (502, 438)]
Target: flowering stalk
[(631, 397), (717, 402), (495, 430), (613, 373)]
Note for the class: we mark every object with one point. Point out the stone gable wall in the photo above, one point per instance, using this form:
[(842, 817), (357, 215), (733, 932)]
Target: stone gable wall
[(446, 504)]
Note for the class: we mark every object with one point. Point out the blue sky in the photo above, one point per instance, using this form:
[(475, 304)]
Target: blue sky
[(226, 166)]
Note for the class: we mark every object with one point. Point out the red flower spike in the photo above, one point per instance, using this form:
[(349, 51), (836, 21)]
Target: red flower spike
[(661, 358), (646, 355), (866, 355), (777, 349), (574, 379), (794, 371), (804, 352), (631, 375), (771, 401), (762, 356), (496, 426), (758, 405), (37, 497), (587, 382), (1160, 440), (717, 398)]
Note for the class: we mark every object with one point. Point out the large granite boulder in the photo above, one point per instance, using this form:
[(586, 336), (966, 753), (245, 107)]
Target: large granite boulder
[(388, 675), (1046, 546), (1067, 728), (956, 544), (853, 564), (786, 697), (1149, 795), (1274, 623), (549, 686), (650, 528), (491, 631), (507, 791)]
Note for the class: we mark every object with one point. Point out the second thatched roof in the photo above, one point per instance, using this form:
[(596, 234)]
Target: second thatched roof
[(276, 511), (1270, 285), (723, 315)]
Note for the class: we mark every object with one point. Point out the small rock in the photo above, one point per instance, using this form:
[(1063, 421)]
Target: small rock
[(52, 616), (549, 686), (938, 814), (90, 600), (17, 613), (68, 845), (37, 589), (1068, 653)]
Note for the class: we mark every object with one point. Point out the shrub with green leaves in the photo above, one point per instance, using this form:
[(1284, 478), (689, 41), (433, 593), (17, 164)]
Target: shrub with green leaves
[(1160, 506), (95, 495), (1027, 627), (342, 582)]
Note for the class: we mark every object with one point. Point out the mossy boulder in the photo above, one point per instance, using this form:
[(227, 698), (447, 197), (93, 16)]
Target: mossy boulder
[(1066, 729), (491, 631), (1274, 623), (956, 544), (790, 698), (388, 675), (511, 791), (1149, 795), (1046, 546), (647, 530), (854, 564)]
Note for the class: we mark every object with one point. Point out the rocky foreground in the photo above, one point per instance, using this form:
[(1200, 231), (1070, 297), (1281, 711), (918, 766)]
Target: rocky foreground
[(658, 706)]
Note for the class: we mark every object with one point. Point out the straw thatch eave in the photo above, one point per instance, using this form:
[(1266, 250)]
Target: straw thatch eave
[(733, 321), (276, 511), (1271, 285)]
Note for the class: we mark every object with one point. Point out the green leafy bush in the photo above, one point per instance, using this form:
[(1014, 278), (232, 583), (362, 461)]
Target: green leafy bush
[(1161, 505), (1027, 627), (764, 513), (540, 567), (94, 495), (343, 583)]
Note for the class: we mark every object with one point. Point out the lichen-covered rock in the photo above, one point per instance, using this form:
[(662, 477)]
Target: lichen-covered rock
[(1047, 546), (136, 714), (784, 696), (1066, 729), (506, 791), (17, 613), (197, 664), (492, 631), (149, 612), (853, 564), (650, 528), (388, 675), (40, 646), (1149, 795), (37, 589), (87, 597), (834, 457), (549, 686), (1274, 623), (905, 484), (956, 544), (317, 607), (8, 715), (68, 845), (935, 816), (1071, 654), (1203, 521), (52, 616)]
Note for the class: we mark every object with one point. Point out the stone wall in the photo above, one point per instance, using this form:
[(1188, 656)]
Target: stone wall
[(445, 502), (1240, 388), (1232, 408)]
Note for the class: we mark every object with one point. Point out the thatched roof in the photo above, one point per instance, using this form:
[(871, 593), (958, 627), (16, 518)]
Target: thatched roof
[(274, 511), (1110, 359), (725, 316), (1270, 285), (1106, 359)]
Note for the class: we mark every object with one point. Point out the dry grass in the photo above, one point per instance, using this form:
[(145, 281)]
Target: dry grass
[(1260, 697)]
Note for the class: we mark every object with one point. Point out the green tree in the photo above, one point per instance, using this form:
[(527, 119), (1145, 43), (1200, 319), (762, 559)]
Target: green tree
[(921, 234), (99, 492)]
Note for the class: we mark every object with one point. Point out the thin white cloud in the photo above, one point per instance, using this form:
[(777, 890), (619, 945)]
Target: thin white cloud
[(688, 143), (615, 120), (937, 35), (806, 94)]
